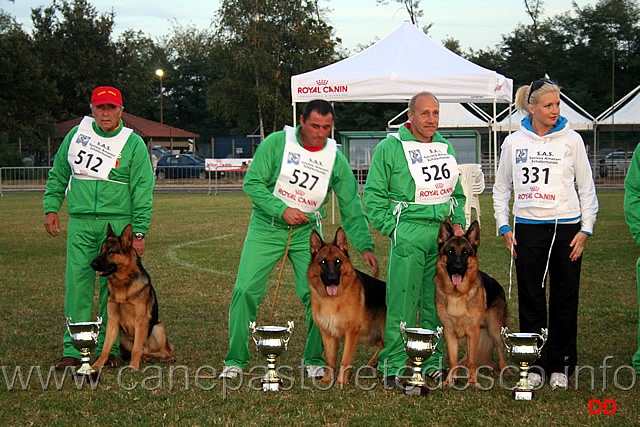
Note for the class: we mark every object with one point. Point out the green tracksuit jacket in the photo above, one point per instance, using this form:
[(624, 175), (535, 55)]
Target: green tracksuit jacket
[(632, 216), (92, 204), (266, 243), (413, 251)]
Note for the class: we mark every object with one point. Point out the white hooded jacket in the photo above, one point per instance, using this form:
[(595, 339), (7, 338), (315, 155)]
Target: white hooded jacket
[(576, 174)]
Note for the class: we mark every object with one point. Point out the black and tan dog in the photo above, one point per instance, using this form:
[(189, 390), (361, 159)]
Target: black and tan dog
[(471, 305), (345, 303), (132, 306)]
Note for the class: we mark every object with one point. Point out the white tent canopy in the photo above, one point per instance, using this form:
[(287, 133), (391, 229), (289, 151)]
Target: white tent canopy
[(397, 67), (625, 111)]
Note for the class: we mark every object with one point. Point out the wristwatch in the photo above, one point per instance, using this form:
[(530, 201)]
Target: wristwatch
[(138, 236)]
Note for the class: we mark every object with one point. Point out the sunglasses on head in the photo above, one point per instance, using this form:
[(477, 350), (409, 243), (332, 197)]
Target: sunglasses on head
[(537, 85)]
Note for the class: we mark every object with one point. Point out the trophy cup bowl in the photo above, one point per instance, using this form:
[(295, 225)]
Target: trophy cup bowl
[(84, 338), (271, 341), (419, 344), (524, 348)]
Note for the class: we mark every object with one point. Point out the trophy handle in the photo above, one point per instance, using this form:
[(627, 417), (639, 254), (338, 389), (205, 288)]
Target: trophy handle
[(438, 335), (289, 330), (505, 337), (403, 333), (99, 321), (68, 322), (252, 331), (543, 336)]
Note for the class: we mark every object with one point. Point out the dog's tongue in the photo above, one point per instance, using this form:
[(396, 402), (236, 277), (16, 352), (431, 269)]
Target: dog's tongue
[(456, 279), (332, 290)]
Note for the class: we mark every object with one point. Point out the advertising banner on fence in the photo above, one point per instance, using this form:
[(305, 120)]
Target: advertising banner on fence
[(227, 165)]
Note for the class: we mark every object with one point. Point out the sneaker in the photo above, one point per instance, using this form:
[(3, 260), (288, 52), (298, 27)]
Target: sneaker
[(558, 380), (230, 372), (314, 371), (534, 379), (65, 362), (390, 382)]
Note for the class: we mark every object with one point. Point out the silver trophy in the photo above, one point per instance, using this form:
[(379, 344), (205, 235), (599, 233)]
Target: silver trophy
[(271, 341), (84, 337), (524, 348), (419, 345)]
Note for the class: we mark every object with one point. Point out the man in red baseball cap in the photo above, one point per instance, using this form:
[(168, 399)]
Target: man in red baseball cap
[(103, 170), (106, 106)]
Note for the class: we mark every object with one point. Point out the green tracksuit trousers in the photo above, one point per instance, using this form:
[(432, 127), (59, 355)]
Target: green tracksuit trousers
[(86, 235), (410, 293), (264, 245), (636, 357)]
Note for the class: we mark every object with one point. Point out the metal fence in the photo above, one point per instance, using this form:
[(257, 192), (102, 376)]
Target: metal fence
[(34, 178)]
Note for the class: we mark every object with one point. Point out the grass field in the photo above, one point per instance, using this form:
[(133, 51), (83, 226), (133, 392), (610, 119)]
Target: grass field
[(192, 253)]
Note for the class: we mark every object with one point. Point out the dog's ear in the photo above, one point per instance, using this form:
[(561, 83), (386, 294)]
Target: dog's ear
[(110, 232), (445, 233), (126, 238), (341, 240), (473, 233), (315, 242)]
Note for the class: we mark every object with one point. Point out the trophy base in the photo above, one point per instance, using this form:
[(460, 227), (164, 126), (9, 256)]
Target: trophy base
[(522, 394), (414, 389), (271, 386)]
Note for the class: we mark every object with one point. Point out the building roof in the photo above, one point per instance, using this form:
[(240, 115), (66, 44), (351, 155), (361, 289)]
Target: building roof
[(147, 129)]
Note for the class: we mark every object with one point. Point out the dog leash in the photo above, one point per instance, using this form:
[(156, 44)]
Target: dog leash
[(284, 260)]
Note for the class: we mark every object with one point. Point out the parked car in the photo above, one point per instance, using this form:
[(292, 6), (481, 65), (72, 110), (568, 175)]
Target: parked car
[(159, 151), (615, 163), (182, 166)]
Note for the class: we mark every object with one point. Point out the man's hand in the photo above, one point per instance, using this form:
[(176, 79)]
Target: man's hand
[(372, 261), (52, 223), (138, 245), (294, 216)]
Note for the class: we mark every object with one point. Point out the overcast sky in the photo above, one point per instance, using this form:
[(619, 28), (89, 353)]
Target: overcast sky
[(477, 24)]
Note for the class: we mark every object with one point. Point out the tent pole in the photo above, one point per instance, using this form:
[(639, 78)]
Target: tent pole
[(495, 142)]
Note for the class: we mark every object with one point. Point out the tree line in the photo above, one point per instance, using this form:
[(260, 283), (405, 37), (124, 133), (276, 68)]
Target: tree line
[(233, 79)]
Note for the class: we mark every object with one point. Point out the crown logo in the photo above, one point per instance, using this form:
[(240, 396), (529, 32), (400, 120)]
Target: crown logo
[(439, 185), (322, 82), (534, 188), (299, 192)]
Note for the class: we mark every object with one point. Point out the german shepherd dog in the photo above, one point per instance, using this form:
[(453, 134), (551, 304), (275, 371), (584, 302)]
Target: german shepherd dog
[(132, 307), (471, 305), (345, 303)]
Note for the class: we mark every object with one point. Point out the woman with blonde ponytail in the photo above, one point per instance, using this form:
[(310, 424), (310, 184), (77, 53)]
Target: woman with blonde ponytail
[(543, 163)]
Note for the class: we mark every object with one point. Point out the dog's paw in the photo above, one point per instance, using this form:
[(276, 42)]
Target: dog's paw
[(327, 378), (450, 381)]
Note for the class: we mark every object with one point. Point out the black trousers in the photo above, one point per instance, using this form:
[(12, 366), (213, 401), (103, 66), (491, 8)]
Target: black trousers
[(560, 353)]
